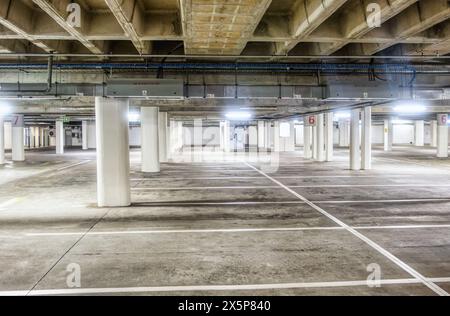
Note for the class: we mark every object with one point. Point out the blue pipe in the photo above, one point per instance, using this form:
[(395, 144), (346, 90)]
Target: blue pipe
[(221, 66)]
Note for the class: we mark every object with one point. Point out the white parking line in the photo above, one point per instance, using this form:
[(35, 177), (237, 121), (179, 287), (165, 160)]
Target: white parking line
[(189, 231), (231, 230), (73, 165), (228, 287), (291, 186), (205, 188), (291, 202), (387, 254), (260, 177)]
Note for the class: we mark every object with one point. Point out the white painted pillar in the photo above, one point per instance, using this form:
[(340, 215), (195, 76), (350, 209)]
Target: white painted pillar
[(290, 142), (261, 134), (2, 140), (366, 147), (46, 137), (84, 135), (329, 140), (59, 131), (113, 156), (388, 135), (355, 150), (307, 130), (149, 139), (221, 136), (267, 127), (314, 141), (162, 136), (198, 134), (42, 136), (276, 136), (226, 134), (433, 126), (8, 131), (419, 128), (31, 136), (180, 135), (344, 135), (320, 138), (442, 136), (37, 136), (17, 142)]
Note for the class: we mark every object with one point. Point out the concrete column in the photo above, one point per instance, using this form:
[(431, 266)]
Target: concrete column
[(307, 130), (31, 136), (17, 138), (180, 135), (2, 140), (149, 139), (37, 137), (290, 142), (314, 142), (419, 128), (433, 126), (113, 156), (59, 131), (344, 136), (388, 135), (320, 138), (226, 134), (46, 137), (84, 135), (162, 136), (366, 147), (329, 140), (198, 134), (261, 134), (267, 127), (355, 150), (276, 136), (41, 136), (221, 136), (442, 136)]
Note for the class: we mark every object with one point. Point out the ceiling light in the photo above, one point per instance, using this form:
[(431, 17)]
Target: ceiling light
[(342, 115), (410, 108), (238, 115), (133, 117)]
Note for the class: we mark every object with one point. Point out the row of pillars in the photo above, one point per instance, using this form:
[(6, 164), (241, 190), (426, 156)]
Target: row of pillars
[(113, 160)]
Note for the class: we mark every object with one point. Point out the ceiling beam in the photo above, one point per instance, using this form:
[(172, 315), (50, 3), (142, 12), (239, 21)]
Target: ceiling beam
[(307, 16), (131, 18), (17, 17), (352, 22), (415, 19), (57, 11)]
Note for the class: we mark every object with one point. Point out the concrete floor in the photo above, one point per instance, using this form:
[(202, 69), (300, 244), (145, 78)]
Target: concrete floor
[(225, 228)]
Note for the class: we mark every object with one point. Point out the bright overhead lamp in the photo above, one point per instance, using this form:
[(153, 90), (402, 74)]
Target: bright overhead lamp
[(410, 108), (5, 108), (238, 115), (133, 117), (342, 115)]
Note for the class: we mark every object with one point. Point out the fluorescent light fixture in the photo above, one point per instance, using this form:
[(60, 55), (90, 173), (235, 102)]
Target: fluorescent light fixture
[(238, 115), (133, 117), (5, 108), (401, 122), (342, 115), (285, 129), (410, 107)]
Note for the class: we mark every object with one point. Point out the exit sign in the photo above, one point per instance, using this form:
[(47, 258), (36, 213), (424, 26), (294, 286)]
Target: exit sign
[(65, 119)]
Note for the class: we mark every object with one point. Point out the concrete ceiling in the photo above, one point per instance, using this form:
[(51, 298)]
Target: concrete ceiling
[(232, 27)]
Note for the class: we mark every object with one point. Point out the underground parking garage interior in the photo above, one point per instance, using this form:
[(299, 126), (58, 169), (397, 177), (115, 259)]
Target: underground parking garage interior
[(225, 148)]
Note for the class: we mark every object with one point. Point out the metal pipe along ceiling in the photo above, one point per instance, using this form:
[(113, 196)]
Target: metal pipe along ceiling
[(380, 68)]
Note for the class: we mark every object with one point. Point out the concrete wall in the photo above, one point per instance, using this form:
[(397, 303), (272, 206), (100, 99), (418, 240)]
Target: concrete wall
[(7, 127), (211, 136)]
